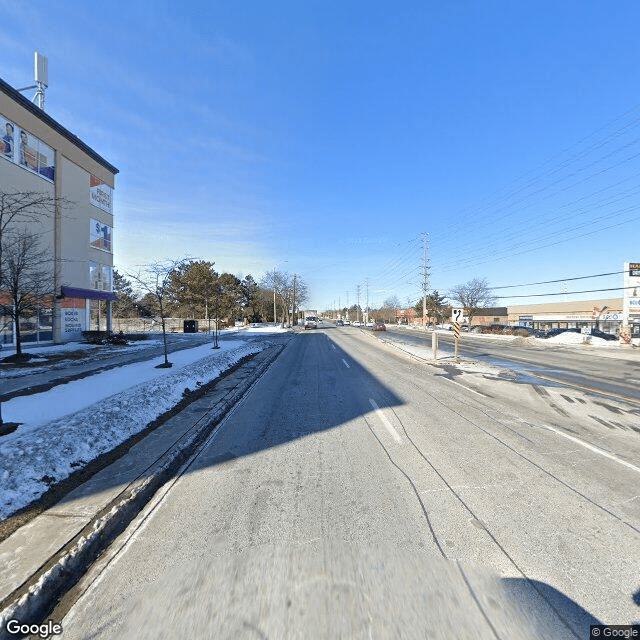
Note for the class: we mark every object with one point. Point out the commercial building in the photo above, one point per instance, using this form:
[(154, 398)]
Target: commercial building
[(39, 156), (607, 313)]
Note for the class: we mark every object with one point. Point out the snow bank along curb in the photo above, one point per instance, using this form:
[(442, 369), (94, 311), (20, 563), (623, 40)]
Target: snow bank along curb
[(39, 593)]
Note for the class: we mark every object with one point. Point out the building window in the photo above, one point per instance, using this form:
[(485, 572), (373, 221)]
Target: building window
[(100, 235), (100, 276), (20, 147)]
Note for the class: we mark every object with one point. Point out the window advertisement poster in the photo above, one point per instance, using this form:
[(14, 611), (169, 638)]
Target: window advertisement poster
[(24, 149), (100, 194), (8, 145), (100, 235), (100, 276)]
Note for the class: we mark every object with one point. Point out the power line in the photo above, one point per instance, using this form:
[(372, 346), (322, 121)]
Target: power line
[(531, 284), (564, 293)]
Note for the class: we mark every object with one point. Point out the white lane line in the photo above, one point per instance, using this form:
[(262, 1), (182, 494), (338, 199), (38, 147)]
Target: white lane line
[(346, 364), (333, 346), (467, 388), (385, 422), (593, 448)]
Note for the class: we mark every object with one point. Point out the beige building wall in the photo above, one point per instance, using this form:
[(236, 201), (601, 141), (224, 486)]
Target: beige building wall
[(67, 232), (75, 227)]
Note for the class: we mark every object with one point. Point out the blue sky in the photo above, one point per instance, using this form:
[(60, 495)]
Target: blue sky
[(332, 135)]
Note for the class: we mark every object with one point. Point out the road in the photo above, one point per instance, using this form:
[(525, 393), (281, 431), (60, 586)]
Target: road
[(351, 489), (591, 369)]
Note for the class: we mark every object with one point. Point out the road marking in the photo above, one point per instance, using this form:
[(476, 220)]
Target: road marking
[(467, 388), (385, 422), (593, 448), (346, 364), (333, 346)]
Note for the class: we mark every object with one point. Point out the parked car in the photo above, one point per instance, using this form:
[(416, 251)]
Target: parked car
[(379, 326), (339, 323), (347, 323), (369, 324), (355, 323), (601, 334)]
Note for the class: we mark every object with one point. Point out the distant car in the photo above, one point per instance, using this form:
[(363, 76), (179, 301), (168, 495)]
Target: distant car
[(339, 323), (356, 323), (311, 322), (379, 326), (370, 323), (601, 334), (347, 323)]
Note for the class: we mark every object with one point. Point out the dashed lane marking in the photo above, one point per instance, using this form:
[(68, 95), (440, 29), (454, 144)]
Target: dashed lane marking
[(385, 422)]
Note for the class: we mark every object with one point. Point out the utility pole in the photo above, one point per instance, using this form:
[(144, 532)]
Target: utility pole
[(425, 277), (358, 307), (367, 320), (293, 309)]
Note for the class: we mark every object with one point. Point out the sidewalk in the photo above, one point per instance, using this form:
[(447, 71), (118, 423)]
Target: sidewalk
[(42, 559)]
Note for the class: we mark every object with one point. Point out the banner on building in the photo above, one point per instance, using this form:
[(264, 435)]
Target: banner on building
[(100, 235), (100, 194)]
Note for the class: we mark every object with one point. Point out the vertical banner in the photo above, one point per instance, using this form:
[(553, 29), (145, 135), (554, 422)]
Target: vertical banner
[(100, 194)]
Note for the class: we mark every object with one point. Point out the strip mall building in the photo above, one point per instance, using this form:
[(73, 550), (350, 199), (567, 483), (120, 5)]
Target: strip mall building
[(38, 155)]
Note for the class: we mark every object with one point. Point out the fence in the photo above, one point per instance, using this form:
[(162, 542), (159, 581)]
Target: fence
[(152, 325)]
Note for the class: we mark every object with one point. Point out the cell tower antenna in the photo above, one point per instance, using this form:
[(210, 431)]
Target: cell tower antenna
[(41, 78)]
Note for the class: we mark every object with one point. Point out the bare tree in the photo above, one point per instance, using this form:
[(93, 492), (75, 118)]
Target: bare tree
[(27, 281), (473, 296), (155, 281), (18, 208)]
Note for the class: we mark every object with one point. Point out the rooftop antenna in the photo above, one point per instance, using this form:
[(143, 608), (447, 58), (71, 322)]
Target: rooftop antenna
[(41, 77)]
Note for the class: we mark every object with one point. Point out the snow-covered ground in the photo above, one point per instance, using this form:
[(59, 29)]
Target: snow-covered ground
[(567, 338), (73, 423)]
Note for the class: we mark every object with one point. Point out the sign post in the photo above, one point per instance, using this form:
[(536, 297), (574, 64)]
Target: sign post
[(456, 319)]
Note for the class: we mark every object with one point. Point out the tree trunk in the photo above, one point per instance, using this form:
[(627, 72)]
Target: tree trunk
[(16, 320)]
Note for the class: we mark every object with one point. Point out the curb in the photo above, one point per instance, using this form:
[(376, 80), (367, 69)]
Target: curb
[(38, 595)]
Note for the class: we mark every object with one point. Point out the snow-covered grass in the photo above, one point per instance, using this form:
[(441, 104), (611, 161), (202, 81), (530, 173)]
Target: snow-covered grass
[(567, 337), (74, 423)]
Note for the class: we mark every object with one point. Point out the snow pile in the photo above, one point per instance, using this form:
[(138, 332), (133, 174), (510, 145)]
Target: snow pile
[(571, 337), (71, 424)]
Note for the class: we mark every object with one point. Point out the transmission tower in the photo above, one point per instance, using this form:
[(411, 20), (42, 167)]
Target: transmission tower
[(425, 276)]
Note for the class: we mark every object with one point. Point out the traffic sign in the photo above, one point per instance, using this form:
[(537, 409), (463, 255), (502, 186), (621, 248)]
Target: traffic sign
[(456, 314)]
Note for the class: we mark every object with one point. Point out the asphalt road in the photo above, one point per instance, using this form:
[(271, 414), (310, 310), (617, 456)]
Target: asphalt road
[(354, 493), (592, 368)]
